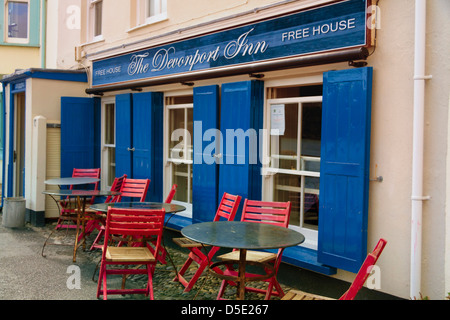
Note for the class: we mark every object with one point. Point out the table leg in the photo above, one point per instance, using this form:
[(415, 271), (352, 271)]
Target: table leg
[(80, 219), (75, 247), (241, 285)]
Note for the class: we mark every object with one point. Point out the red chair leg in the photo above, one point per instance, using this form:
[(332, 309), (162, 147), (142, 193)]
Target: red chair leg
[(179, 277), (223, 286), (196, 275), (151, 272), (100, 235)]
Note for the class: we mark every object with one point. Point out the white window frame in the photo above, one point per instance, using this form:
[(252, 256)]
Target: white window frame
[(92, 21), (143, 8), (311, 235), (160, 9), (169, 162), (104, 146), (6, 24)]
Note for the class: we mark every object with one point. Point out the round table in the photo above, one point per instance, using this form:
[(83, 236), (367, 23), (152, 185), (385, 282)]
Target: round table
[(168, 207), (243, 236), (70, 181), (80, 196)]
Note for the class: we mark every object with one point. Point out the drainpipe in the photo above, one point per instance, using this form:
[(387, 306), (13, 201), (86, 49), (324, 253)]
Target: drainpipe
[(418, 142)]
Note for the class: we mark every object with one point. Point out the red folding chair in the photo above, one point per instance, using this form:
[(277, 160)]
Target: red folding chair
[(275, 213), (132, 223), (357, 283), (68, 205), (100, 223), (227, 210), (134, 188), (171, 194), (162, 251)]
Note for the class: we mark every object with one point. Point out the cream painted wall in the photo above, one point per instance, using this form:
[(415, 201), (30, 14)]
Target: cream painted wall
[(47, 95), (63, 33), (447, 216), (391, 144), (436, 135), (13, 58), (391, 149)]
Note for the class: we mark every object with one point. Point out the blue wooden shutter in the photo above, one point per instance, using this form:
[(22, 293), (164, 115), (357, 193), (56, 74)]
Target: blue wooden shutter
[(205, 174), (79, 137), (156, 187), (241, 109), (148, 141), (123, 134), (344, 172)]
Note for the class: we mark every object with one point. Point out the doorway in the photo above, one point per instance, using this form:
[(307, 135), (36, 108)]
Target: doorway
[(19, 145)]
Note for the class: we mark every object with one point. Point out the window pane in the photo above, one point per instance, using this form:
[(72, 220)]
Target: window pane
[(109, 124), (18, 19), (311, 202), (190, 129), (111, 154), (284, 147), (176, 121), (300, 91), (180, 177), (287, 188), (151, 11), (98, 18), (311, 129), (311, 136)]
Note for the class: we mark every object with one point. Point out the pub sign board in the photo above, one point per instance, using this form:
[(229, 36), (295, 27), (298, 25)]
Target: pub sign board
[(335, 26)]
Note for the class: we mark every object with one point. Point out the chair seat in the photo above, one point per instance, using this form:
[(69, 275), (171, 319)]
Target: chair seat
[(300, 295), (253, 256), (129, 254), (186, 243)]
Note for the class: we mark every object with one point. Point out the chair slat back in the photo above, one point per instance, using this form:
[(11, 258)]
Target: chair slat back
[(132, 222), (86, 173), (134, 188), (116, 186), (364, 271), (275, 213), (228, 207), (171, 194)]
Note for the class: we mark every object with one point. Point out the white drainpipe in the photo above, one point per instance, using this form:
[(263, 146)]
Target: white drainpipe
[(418, 138)]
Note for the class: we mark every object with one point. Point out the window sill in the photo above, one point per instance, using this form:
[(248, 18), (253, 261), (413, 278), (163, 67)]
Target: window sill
[(93, 41), (149, 22), (18, 44)]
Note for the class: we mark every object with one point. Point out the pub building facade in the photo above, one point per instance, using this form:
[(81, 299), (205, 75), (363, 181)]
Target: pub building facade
[(302, 101)]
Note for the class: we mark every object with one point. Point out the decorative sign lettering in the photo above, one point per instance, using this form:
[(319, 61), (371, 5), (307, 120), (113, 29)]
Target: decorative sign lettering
[(336, 26)]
